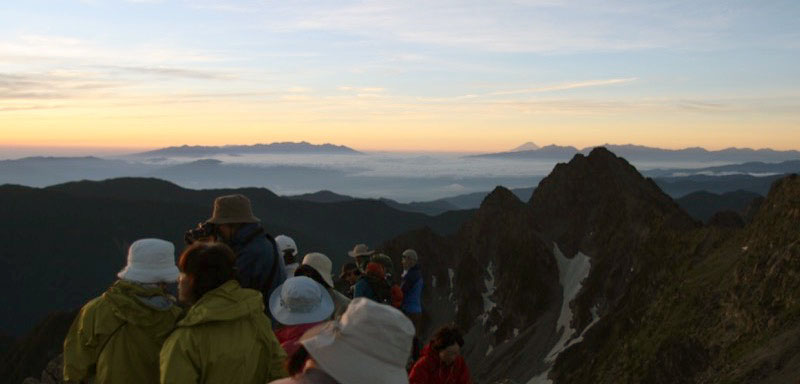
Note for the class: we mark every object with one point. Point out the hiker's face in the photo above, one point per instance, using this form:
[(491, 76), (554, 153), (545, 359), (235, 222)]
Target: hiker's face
[(449, 354), (407, 263), (225, 231), (351, 277), (184, 288), (288, 256), (362, 262)]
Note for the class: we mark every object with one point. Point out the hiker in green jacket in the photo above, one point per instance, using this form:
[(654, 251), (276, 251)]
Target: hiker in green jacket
[(225, 336), (116, 338)]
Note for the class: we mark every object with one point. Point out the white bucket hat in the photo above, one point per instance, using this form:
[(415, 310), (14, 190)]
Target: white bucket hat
[(285, 242), (150, 261), (300, 300), (371, 343), (321, 264)]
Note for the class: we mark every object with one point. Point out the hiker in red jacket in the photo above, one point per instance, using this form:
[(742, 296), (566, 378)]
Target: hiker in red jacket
[(441, 361)]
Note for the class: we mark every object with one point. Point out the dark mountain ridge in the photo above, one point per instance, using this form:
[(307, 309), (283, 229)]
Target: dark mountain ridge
[(302, 147), (64, 244)]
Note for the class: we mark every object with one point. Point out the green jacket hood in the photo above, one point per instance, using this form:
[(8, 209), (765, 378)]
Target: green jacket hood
[(227, 302), (137, 304)]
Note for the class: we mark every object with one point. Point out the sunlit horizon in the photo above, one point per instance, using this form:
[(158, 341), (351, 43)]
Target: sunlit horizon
[(116, 75)]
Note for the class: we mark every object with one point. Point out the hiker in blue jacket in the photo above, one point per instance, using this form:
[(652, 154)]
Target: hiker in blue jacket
[(258, 265), (412, 294)]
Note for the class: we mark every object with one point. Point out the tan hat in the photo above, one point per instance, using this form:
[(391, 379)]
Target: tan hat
[(321, 264), (232, 209), (360, 250), (410, 254), (371, 343)]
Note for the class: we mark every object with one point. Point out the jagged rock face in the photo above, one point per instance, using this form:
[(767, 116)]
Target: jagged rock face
[(714, 305), (506, 286), (506, 282), (600, 205), (726, 219)]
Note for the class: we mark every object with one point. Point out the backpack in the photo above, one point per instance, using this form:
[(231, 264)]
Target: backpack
[(273, 270), (380, 289)]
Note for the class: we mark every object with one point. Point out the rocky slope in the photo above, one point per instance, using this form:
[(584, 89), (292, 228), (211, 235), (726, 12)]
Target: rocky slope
[(602, 278)]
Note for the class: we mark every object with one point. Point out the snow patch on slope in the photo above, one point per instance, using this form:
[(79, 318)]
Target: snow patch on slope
[(488, 304), (571, 273)]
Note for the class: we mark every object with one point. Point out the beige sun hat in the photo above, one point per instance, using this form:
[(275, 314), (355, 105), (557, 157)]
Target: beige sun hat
[(150, 261), (231, 209), (371, 343), (360, 250), (321, 264)]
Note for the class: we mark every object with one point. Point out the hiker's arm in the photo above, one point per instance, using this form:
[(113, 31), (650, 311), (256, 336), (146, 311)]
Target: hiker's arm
[(277, 358), (80, 347)]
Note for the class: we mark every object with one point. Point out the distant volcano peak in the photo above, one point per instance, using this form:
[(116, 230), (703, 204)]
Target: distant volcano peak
[(529, 146)]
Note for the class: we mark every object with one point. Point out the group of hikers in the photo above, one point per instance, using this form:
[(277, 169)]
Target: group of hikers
[(249, 311)]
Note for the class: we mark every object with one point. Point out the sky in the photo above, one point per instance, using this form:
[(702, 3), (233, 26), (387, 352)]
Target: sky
[(464, 76)]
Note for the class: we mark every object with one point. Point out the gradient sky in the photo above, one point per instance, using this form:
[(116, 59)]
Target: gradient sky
[(399, 75)]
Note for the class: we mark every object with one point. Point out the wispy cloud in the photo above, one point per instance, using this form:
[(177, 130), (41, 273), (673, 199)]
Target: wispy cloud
[(175, 72), (532, 90)]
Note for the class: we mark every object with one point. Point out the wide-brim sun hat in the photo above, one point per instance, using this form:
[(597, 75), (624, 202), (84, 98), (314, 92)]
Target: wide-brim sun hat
[(371, 343), (300, 300), (321, 264), (150, 261), (232, 209), (360, 250)]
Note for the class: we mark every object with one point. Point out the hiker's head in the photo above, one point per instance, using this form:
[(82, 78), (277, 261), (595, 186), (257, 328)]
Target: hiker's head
[(287, 248), (375, 269), (362, 255), (318, 267), (409, 259), (150, 261), (204, 266), (300, 300), (385, 261), (230, 212), (447, 343), (350, 273), (310, 272), (370, 344)]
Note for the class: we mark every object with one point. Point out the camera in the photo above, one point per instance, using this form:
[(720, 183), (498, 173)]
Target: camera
[(204, 231)]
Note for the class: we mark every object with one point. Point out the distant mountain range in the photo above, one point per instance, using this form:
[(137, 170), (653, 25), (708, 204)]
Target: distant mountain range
[(643, 153), (273, 148)]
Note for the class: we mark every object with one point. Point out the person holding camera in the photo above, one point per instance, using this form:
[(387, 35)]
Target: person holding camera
[(258, 264)]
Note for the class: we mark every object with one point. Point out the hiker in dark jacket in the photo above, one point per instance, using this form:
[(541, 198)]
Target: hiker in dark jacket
[(372, 285), (257, 264), (116, 338), (441, 361)]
